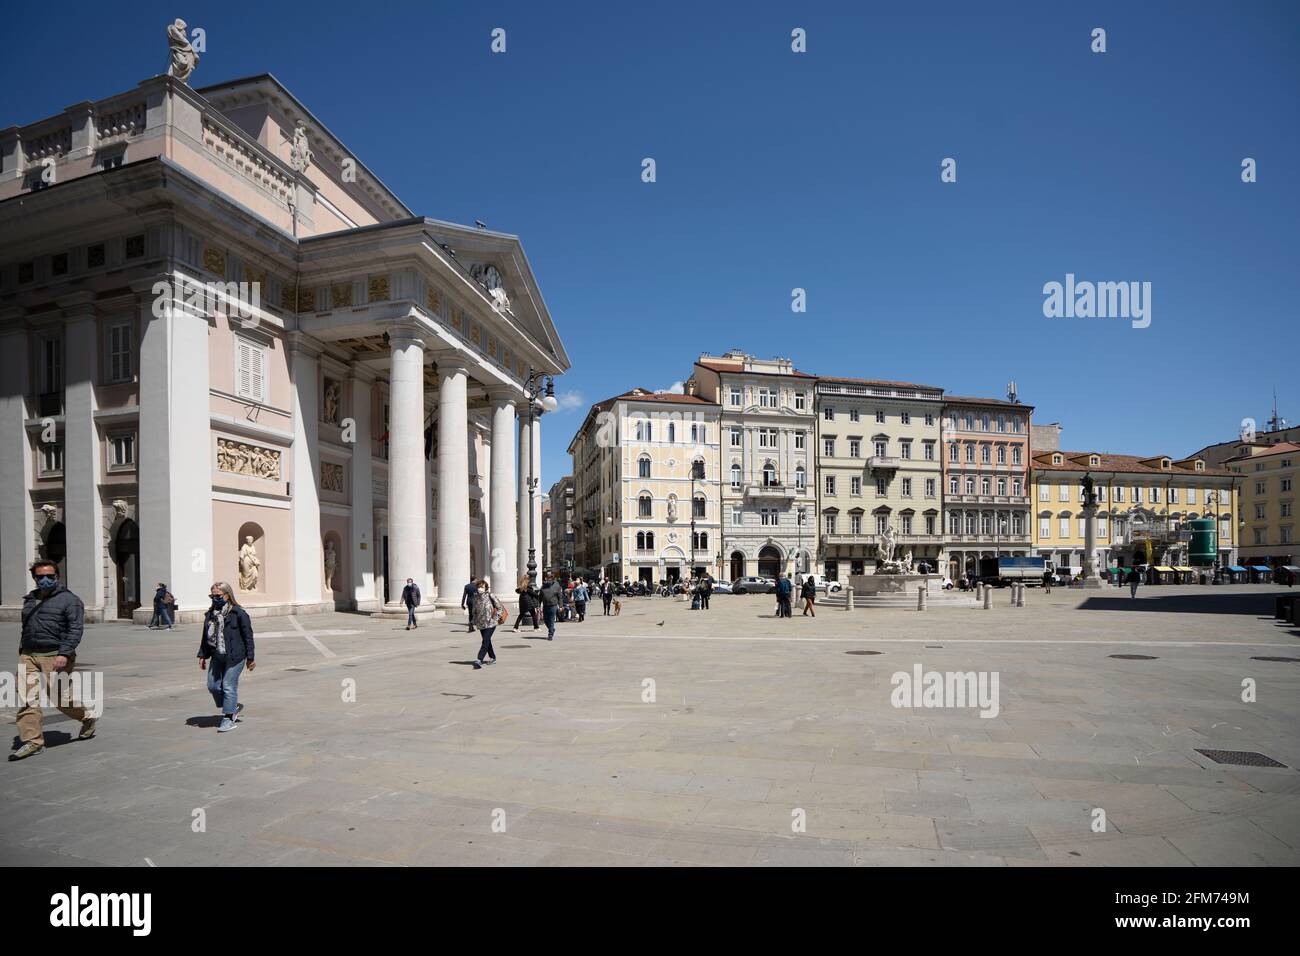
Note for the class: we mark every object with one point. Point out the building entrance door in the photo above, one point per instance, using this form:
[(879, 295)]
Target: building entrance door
[(737, 565), (769, 562), (126, 560)]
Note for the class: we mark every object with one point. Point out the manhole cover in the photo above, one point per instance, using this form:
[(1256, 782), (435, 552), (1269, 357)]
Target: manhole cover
[(1240, 758), (863, 653), (1280, 660), (1134, 657)]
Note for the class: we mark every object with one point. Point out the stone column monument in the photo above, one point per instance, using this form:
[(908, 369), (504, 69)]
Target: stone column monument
[(1090, 578)]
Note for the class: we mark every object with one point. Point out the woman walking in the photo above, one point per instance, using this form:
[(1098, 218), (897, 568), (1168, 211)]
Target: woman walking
[(225, 646), (528, 598), (485, 613), (809, 596)]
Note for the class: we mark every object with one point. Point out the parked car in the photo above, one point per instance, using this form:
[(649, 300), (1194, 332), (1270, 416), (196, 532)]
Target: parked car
[(753, 585), (824, 584), (721, 587)]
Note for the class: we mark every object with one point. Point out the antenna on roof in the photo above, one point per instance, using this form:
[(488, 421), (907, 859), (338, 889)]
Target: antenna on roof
[(1011, 392), (1275, 423)]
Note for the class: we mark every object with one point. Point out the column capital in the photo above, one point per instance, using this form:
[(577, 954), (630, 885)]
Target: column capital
[(402, 335), (502, 395), (299, 343)]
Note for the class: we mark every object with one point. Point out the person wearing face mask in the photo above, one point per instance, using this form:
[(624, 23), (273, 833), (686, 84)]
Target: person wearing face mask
[(225, 646), (485, 614), (52, 623)]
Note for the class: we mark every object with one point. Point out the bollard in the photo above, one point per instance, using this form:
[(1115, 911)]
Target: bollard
[(920, 597), (988, 598), (1013, 594), (1020, 595), (848, 592)]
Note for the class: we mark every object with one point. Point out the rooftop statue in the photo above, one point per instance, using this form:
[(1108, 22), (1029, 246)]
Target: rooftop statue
[(184, 59)]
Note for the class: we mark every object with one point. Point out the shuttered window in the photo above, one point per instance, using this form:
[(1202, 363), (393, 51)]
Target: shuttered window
[(250, 370)]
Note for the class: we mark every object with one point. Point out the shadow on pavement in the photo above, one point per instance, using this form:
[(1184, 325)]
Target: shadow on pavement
[(1260, 605)]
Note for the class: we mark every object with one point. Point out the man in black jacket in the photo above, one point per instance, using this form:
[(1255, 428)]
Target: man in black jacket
[(411, 598), (552, 596), (467, 602), (53, 619)]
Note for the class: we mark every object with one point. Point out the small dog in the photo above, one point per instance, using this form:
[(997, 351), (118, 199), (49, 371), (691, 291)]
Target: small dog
[(618, 606)]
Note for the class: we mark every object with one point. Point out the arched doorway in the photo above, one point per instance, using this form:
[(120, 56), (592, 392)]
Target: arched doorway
[(769, 562), (126, 563), (55, 548), (737, 565)]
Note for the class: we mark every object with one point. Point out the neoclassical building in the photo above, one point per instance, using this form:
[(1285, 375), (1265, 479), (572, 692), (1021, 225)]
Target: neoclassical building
[(638, 512), (229, 352), (986, 497), (878, 466), (767, 464)]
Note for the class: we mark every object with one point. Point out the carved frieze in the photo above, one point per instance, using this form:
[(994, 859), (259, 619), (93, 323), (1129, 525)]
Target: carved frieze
[(239, 458)]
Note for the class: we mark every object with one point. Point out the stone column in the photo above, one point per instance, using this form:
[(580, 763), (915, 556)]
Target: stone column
[(502, 543), (17, 525), (304, 514), (83, 511), (407, 514), (1090, 578), (453, 479), (521, 486), (535, 454), (361, 475), (176, 456)]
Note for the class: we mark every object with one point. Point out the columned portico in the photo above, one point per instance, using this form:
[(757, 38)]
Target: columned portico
[(407, 512), (502, 563), (453, 479), (305, 515), (363, 516), (17, 525)]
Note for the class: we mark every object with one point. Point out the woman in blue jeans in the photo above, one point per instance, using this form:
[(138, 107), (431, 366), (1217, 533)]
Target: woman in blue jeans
[(225, 646), (485, 614)]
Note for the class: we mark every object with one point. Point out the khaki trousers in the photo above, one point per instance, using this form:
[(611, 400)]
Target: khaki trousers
[(40, 674)]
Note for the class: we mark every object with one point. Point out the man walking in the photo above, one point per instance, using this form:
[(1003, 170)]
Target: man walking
[(1047, 581), (467, 595), (1133, 580), (552, 595), (52, 622), (411, 598), (784, 588), (706, 592), (607, 594)]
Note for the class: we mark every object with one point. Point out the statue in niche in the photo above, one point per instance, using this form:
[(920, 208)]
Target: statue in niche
[(331, 565), (331, 401), (249, 565), (183, 57)]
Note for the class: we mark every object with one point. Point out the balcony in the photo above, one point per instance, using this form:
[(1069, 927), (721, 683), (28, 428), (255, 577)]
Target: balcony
[(996, 539), (884, 463), (772, 492), (874, 539), (987, 499)]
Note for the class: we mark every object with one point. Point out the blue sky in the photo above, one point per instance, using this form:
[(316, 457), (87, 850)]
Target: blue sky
[(820, 171)]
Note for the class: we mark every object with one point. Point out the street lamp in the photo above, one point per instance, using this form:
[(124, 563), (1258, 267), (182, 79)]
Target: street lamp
[(798, 523), (549, 404)]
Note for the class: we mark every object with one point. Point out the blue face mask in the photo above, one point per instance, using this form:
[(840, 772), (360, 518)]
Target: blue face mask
[(47, 582), (217, 602)]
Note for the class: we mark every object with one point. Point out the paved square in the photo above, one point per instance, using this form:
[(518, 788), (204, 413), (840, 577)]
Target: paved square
[(554, 756)]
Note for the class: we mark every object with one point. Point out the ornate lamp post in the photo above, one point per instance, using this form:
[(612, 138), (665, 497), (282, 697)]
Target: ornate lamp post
[(548, 403)]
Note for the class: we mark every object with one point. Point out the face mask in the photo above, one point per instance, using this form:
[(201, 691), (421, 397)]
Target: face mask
[(218, 601), (47, 582)]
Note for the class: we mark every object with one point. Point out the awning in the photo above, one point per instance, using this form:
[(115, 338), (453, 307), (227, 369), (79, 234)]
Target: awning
[(1290, 567), (1260, 567), (1236, 567), (1179, 567), (1163, 568)]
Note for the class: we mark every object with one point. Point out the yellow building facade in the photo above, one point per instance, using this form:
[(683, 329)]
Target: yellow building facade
[(1141, 503)]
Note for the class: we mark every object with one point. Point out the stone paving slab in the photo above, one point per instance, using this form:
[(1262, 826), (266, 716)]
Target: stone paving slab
[(755, 723)]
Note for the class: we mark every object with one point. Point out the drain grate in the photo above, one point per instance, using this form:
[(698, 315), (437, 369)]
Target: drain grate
[(1133, 657), (1279, 660), (1240, 758), (862, 653)]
